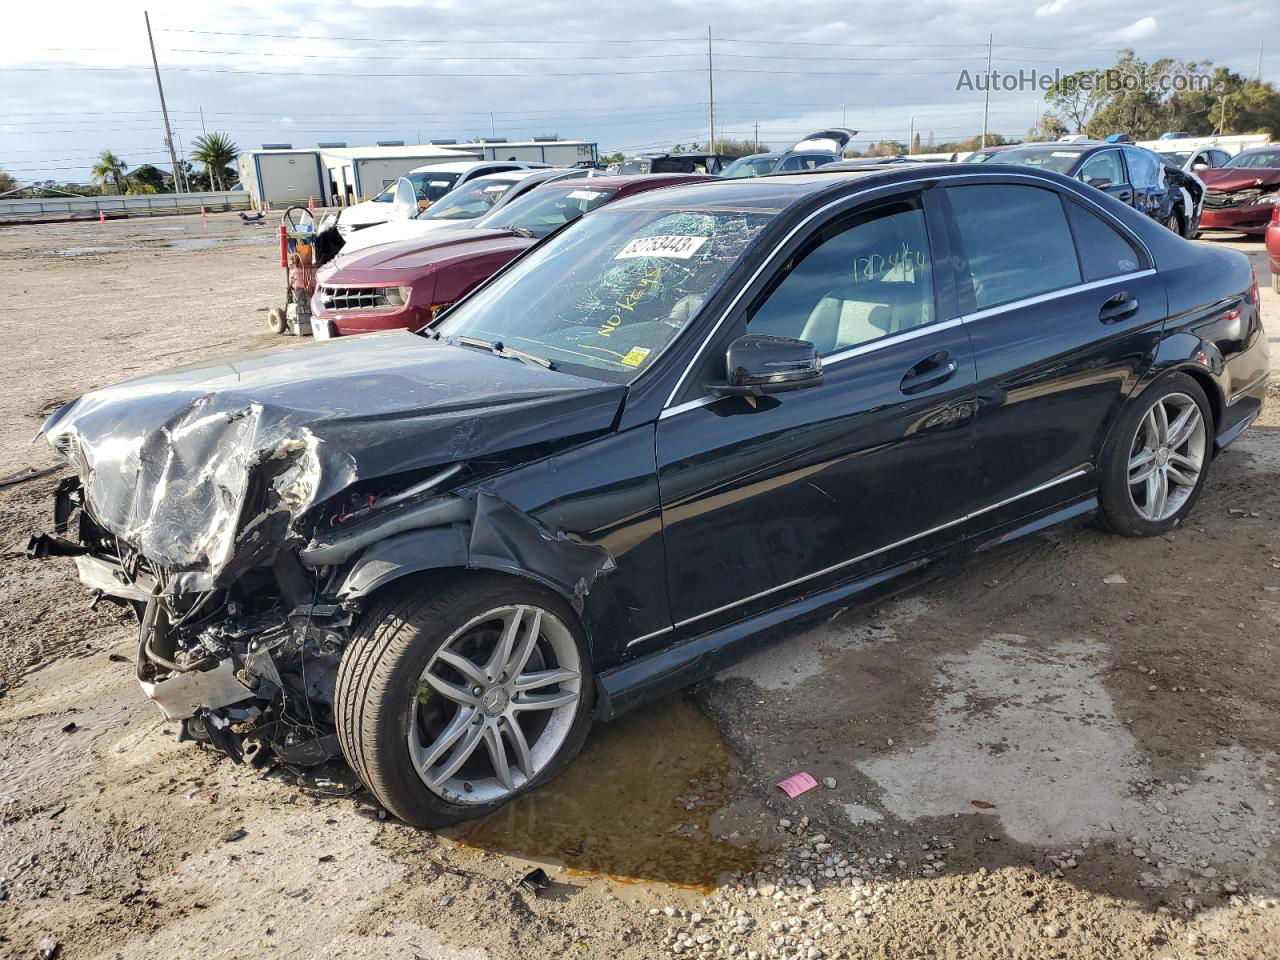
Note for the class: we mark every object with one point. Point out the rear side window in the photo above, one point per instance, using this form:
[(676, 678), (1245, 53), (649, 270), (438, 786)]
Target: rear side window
[(1104, 251), (1016, 240)]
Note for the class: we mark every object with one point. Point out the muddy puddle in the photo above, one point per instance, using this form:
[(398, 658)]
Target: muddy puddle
[(637, 805)]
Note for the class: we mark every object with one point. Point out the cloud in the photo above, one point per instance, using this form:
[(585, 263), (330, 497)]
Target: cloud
[(1053, 8), (1138, 30)]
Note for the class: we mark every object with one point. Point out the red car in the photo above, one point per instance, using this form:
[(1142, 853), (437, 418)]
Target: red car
[(1273, 246), (407, 283), (1241, 195)]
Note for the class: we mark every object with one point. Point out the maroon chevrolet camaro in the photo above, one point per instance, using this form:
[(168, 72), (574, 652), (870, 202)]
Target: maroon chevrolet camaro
[(404, 285)]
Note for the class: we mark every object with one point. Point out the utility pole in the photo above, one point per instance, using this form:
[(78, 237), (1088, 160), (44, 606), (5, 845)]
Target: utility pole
[(986, 94), (911, 137), (492, 130), (203, 129), (1259, 75), (844, 119), (757, 136), (168, 133), (711, 99)]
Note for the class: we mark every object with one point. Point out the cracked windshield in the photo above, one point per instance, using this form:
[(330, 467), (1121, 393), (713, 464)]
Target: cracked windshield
[(609, 294)]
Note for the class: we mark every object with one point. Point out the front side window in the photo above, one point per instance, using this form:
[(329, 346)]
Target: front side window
[(1104, 251), (857, 280), (603, 298), (1104, 167), (1016, 240)]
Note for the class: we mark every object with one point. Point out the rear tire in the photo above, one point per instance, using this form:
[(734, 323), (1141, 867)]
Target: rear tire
[(1156, 461), (276, 322), (406, 707), (1174, 222)]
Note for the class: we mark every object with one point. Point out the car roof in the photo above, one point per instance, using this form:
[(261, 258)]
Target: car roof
[(515, 176), (771, 193), (465, 166)]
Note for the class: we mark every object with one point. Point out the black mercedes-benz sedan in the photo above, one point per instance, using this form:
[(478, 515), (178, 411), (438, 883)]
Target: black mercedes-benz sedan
[(672, 428)]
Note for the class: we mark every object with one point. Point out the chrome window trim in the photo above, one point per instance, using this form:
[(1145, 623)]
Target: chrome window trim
[(1079, 472), (1076, 192), (1053, 295), (764, 265)]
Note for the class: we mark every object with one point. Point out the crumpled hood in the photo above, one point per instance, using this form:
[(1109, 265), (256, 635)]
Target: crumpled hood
[(1239, 178), (205, 469)]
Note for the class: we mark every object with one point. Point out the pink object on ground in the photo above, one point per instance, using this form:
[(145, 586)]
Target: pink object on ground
[(797, 784)]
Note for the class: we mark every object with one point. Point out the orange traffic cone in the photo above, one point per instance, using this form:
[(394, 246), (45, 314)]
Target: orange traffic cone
[(101, 217), (311, 204), (204, 213), (266, 207)]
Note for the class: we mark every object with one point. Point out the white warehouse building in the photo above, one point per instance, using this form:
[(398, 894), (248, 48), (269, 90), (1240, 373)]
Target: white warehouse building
[(336, 174)]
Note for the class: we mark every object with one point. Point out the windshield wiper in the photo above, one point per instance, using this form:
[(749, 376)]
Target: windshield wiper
[(522, 232), (510, 353)]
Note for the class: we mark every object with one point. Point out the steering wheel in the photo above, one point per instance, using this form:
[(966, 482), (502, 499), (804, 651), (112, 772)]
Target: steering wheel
[(296, 218)]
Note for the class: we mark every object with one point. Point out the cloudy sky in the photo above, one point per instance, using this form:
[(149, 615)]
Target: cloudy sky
[(629, 75)]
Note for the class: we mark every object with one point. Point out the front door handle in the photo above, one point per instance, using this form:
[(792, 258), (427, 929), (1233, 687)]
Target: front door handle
[(932, 370), (1117, 308)]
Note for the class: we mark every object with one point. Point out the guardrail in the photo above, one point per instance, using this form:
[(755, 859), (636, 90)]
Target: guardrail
[(144, 205)]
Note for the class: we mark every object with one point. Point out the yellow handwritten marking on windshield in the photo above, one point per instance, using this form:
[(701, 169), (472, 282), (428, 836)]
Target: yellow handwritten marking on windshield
[(651, 278), (636, 356)]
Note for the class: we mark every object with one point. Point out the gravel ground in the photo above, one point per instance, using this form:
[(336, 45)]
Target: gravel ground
[(1068, 750)]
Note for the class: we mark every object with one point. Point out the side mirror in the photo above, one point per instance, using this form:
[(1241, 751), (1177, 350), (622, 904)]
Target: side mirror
[(1100, 183), (404, 205), (758, 365), (1200, 166)]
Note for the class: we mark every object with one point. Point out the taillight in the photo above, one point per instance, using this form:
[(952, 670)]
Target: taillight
[(1275, 213), (1253, 293)]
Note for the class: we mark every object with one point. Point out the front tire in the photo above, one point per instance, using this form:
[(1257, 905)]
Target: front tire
[(458, 693), (1155, 464)]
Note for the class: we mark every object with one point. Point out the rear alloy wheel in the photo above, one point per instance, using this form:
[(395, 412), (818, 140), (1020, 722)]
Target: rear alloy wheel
[(1156, 465), (457, 694), (1174, 222)]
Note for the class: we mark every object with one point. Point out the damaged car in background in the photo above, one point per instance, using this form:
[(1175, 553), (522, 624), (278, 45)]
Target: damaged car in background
[(676, 426)]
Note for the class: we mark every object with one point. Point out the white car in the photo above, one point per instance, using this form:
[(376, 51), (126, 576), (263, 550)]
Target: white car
[(430, 183), (460, 207)]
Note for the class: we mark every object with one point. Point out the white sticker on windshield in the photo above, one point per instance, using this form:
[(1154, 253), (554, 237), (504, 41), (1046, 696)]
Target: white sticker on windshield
[(677, 247), (1063, 153), (585, 194)]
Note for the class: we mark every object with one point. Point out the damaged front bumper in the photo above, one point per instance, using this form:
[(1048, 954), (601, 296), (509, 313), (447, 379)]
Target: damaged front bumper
[(253, 665)]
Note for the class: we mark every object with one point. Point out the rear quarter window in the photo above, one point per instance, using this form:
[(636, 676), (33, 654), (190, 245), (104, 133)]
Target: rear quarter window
[(1104, 251)]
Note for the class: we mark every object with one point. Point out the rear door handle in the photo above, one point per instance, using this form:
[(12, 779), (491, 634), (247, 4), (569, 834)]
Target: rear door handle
[(932, 370), (1117, 308)]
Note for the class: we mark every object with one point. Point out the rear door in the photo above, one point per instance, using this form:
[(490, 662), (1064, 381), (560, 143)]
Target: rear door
[(1064, 311)]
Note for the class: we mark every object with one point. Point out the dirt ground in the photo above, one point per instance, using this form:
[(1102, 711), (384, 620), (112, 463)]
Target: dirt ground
[(1067, 751)]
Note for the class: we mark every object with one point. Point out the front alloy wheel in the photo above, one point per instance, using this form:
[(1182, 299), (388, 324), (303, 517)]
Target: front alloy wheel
[(461, 691), (1157, 458), (495, 704)]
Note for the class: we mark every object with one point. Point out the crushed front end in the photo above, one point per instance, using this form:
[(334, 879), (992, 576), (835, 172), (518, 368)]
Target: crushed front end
[(242, 667)]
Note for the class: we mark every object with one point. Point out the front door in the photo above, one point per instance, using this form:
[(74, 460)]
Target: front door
[(767, 500)]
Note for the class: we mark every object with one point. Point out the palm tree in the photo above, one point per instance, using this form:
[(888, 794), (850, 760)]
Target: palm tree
[(109, 169), (216, 151)]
